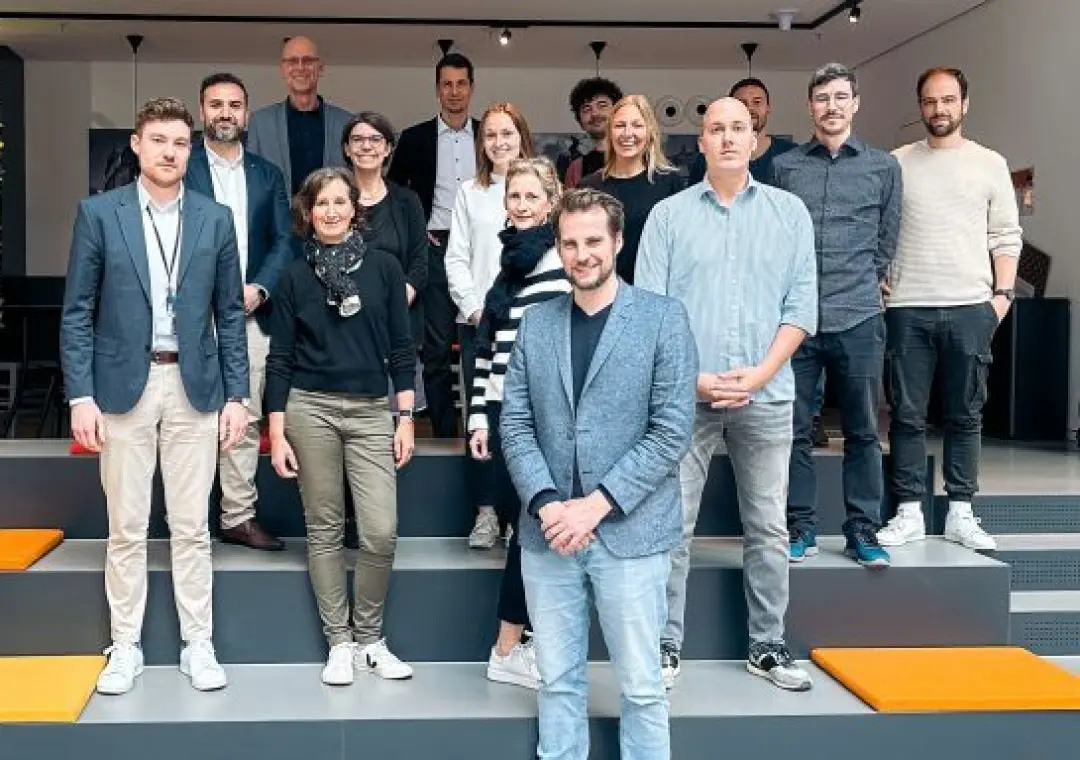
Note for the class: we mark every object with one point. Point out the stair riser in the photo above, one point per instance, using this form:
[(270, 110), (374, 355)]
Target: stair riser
[(1009, 515), (1052, 634), (1049, 570)]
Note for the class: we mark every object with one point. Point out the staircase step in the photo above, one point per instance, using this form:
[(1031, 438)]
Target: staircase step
[(1021, 514), (1046, 622), (46, 487), (442, 602), (450, 712), (1042, 562)]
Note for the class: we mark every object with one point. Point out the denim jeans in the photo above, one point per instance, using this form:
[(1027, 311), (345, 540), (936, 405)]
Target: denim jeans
[(629, 598), (957, 337), (853, 360), (758, 441)]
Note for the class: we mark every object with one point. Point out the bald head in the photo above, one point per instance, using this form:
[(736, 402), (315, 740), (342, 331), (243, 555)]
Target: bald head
[(301, 67), (727, 136)]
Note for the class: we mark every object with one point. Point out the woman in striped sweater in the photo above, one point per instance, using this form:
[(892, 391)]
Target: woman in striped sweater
[(530, 273)]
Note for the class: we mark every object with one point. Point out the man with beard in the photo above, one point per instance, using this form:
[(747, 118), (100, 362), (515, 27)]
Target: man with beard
[(951, 285), (592, 436), (303, 132), (740, 255), (852, 191), (591, 102), (254, 191), (753, 94)]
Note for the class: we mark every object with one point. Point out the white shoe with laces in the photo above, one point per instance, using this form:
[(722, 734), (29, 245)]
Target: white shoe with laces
[(378, 659), (907, 526), (199, 663), (125, 665), (518, 667), (339, 670), (962, 527)]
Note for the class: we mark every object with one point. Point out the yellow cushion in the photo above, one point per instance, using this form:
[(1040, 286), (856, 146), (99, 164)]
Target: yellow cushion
[(952, 679), (46, 689), (20, 548)]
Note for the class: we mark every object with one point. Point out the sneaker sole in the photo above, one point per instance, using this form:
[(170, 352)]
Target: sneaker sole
[(514, 679), (670, 681), (186, 670), (338, 683), (484, 545), (810, 552), (913, 539), (802, 686), (374, 672), (874, 564), (966, 545)]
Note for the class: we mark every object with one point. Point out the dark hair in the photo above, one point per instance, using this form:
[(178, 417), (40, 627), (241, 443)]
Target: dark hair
[(222, 77), (376, 121), (304, 200), (453, 61), (831, 72), (163, 109), (583, 199), (587, 89), (955, 73), (749, 82)]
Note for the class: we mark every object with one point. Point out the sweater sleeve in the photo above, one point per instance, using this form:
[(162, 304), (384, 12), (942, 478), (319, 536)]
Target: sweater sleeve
[(1004, 236), (282, 355), (458, 254), (402, 360)]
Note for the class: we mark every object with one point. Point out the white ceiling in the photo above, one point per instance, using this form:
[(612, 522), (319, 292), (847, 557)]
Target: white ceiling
[(884, 24)]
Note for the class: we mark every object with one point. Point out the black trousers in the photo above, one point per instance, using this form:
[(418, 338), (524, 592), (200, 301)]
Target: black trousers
[(438, 344), (512, 607)]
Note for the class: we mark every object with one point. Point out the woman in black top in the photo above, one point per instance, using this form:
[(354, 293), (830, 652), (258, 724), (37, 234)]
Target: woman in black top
[(394, 218), (340, 323), (636, 171)]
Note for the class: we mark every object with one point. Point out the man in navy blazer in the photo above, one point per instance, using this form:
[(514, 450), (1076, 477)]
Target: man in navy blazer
[(597, 411), (254, 191), (155, 364)]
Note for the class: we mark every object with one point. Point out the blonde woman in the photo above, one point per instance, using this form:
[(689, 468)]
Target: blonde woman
[(636, 171), (472, 262), (530, 273)]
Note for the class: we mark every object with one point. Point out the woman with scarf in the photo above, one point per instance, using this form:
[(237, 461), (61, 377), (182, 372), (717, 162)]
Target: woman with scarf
[(340, 324), (530, 273)]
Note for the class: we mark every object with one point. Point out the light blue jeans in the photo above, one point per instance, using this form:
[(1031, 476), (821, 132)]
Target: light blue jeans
[(631, 604)]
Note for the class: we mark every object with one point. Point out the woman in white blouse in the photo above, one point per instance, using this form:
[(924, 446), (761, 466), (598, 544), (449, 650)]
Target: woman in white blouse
[(472, 263)]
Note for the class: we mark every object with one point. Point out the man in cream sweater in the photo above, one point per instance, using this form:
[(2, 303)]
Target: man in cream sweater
[(951, 285)]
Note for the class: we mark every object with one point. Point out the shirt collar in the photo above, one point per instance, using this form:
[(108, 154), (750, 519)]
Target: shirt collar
[(441, 126), (144, 198), (706, 190), (220, 161), (852, 143)]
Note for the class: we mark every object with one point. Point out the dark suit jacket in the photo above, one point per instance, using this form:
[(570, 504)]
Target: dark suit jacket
[(107, 324), (411, 227), (271, 245), (416, 158)]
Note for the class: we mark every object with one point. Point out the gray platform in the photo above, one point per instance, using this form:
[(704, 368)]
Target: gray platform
[(451, 712), (441, 606)]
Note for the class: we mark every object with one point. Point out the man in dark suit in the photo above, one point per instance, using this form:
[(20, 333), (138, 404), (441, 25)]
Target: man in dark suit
[(254, 191), (155, 363), (433, 158)]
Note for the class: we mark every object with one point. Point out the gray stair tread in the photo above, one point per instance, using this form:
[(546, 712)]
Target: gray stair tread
[(33, 448), (1044, 601), (443, 692), (1034, 542), (454, 554)]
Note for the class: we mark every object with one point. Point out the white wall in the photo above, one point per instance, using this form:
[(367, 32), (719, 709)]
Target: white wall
[(64, 100), (1022, 61)]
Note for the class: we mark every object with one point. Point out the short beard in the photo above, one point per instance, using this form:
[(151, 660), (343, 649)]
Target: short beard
[(224, 133), (599, 282), (943, 131)]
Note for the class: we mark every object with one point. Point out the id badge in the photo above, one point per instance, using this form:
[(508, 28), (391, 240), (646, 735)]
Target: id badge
[(165, 324)]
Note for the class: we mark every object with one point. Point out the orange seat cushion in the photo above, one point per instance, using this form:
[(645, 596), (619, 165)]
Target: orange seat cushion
[(22, 547), (46, 689)]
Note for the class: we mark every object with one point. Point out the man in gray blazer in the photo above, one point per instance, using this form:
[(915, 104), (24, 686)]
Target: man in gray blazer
[(597, 412), (303, 132), (155, 362)]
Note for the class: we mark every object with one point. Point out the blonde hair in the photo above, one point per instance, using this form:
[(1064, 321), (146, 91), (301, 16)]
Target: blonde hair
[(541, 168), (484, 165), (653, 155)]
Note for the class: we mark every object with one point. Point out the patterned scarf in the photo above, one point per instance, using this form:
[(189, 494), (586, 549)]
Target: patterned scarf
[(333, 264), (522, 251)]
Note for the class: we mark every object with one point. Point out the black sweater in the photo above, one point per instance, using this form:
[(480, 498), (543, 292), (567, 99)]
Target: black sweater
[(314, 348)]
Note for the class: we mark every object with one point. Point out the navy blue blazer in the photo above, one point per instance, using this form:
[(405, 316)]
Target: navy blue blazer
[(271, 245), (107, 324)]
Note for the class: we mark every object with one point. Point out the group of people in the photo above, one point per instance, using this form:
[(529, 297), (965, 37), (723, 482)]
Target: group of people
[(617, 328)]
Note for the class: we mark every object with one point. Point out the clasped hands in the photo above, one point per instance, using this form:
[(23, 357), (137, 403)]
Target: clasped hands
[(570, 526), (732, 389)]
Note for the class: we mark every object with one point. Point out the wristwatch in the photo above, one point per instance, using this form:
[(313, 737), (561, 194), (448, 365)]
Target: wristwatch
[(407, 414), (241, 401), (1009, 293)]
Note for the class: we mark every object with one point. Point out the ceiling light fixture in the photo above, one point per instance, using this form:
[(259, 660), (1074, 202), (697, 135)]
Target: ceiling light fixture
[(784, 17), (855, 14), (504, 38)]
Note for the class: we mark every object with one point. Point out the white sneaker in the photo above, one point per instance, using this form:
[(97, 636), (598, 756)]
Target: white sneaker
[(518, 668), (199, 663), (125, 664), (378, 659), (903, 529), (339, 665), (962, 527), (670, 666), (486, 530)]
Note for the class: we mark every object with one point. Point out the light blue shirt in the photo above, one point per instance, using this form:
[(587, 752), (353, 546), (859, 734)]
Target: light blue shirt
[(741, 272), (167, 219)]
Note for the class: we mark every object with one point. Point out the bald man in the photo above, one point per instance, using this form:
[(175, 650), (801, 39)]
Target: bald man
[(303, 132), (740, 255)]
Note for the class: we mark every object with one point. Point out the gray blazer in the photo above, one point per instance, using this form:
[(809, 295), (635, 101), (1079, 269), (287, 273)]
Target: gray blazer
[(268, 136), (107, 323), (631, 426)]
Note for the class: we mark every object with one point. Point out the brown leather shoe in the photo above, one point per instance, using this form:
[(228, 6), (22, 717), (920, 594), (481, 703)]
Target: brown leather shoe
[(253, 536)]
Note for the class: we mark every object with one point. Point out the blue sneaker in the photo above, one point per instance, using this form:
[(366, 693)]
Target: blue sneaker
[(863, 547), (803, 544)]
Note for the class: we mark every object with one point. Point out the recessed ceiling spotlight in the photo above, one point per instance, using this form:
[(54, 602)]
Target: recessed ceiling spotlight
[(855, 14), (504, 38)]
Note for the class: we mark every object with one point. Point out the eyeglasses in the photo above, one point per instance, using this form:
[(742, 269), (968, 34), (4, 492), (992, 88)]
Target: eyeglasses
[(841, 99), (306, 61), (373, 140)]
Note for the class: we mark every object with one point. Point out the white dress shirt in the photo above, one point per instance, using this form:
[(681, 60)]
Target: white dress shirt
[(455, 163), (230, 189), (166, 219)]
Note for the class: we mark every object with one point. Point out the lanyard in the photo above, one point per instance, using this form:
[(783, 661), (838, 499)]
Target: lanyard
[(169, 264)]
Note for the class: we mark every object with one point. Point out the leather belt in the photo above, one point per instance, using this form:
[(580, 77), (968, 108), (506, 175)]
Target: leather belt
[(164, 357)]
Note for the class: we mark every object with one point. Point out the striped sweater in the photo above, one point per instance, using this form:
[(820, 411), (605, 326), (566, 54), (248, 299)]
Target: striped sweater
[(547, 280)]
